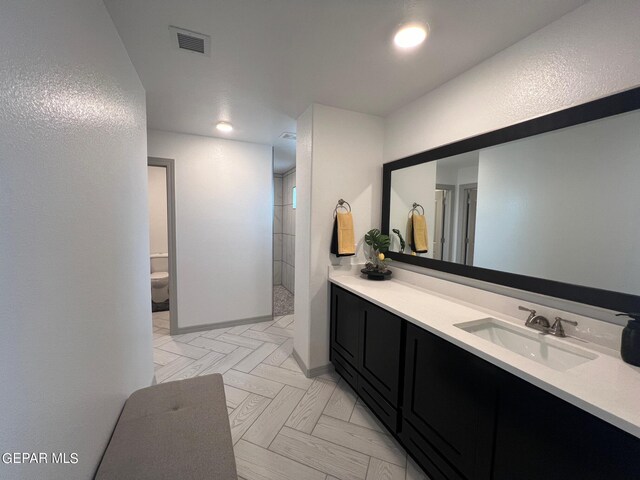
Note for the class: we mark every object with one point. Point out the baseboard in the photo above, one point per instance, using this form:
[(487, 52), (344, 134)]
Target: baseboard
[(230, 323), (313, 372)]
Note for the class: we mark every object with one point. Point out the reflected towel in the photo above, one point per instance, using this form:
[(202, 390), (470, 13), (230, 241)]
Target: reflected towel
[(420, 236), (343, 242)]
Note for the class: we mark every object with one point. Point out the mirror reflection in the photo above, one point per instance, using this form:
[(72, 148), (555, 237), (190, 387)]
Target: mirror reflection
[(560, 206)]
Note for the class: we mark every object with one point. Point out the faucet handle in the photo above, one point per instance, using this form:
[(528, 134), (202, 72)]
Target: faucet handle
[(525, 309), (557, 329)]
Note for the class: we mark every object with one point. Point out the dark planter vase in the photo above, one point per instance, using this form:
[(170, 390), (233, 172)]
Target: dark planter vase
[(630, 344), (375, 275)]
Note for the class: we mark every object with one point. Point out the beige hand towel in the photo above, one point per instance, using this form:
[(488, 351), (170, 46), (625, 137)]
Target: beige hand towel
[(420, 236), (346, 236)]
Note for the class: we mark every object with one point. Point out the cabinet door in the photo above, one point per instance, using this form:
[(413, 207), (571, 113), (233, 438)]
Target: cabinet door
[(449, 403), (541, 437), (381, 351), (347, 311)]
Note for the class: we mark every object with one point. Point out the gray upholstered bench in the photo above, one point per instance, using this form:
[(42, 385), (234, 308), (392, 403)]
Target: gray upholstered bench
[(172, 430)]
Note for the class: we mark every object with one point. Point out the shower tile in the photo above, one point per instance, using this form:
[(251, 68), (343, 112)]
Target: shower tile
[(277, 273), (288, 277), (288, 252), (288, 220), (277, 219), (288, 184), (277, 246), (277, 186)]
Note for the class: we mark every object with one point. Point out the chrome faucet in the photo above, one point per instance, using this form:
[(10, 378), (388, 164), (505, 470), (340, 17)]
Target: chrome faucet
[(537, 322), (557, 329)]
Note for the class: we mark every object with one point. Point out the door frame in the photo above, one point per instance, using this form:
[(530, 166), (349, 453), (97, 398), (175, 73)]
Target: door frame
[(447, 229), (169, 165), (462, 202)]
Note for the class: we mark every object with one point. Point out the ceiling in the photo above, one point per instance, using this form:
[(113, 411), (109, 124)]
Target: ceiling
[(270, 59)]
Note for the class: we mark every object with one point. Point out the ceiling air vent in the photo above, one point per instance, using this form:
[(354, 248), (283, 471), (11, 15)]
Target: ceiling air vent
[(191, 41), (288, 135)]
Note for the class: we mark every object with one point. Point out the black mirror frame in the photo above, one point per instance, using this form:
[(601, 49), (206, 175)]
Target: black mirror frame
[(616, 104)]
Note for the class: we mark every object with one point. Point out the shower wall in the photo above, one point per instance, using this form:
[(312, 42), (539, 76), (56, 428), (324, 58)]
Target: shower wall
[(288, 230), (277, 229)]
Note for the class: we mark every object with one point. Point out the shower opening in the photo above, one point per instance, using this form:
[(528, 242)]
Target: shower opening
[(284, 235)]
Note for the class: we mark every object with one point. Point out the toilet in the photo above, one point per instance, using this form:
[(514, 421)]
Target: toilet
[(159, 277)]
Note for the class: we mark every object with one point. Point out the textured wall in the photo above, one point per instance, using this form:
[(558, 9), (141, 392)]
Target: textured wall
[(408, 185), (224, 227), (589, 53), (302, 307), (74, 241), (561, 205), (323, 152)]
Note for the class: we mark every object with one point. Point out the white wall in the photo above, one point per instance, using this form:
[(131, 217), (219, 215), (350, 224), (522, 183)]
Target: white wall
[(224, 220), (339, 155), (563, 205), (74, 240), (408, 185), (158, 233), (302, 300), (587, 54)]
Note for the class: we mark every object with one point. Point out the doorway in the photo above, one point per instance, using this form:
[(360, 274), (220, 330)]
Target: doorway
[(284, 236), (442, 227), (162, 239), (467, 216)]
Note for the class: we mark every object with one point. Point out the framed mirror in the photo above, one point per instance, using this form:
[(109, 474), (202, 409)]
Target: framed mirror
[(550, 205)]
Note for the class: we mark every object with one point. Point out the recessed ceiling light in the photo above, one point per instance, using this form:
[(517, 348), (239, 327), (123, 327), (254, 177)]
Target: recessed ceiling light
[(224, 127), (410, 35)]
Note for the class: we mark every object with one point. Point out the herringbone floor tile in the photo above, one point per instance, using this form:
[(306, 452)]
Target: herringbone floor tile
[(284, 425)]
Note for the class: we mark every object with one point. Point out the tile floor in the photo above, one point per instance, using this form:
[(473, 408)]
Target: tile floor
[(284, 426), (282, 301)]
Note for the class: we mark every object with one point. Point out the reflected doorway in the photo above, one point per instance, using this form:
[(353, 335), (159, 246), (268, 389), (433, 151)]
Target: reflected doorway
[(468, 209), (443, 222)]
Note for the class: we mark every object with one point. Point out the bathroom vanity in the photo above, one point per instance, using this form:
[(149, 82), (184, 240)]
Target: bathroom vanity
[(467, 408)]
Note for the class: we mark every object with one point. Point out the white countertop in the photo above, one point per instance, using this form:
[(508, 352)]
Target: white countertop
[(606, 387)]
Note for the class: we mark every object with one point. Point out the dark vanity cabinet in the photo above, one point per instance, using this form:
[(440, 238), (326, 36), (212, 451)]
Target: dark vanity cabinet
[(448, 407), (347, 311), (539, 436), (366, 349), (462, 418)]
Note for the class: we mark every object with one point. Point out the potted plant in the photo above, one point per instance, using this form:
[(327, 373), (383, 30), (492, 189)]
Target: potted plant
[(376, 267), (402, 242)]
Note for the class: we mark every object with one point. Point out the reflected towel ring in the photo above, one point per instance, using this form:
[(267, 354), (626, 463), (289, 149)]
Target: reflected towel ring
[(340, 204), (415, 208)]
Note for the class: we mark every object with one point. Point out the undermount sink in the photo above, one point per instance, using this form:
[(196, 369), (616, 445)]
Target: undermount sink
[(530, 344)]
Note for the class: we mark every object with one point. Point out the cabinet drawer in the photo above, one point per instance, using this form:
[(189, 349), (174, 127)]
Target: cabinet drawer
[(378, 405), (427, 457), (344, 369)]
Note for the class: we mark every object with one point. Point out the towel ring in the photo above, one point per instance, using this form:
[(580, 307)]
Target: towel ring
[(415, 208), (340, 204)]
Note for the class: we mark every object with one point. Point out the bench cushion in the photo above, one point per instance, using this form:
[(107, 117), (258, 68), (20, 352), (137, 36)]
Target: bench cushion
[(172, 430)]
